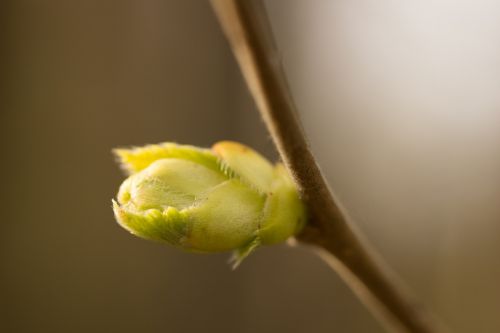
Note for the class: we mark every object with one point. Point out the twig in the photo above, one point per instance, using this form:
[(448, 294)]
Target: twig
[(331, 234)]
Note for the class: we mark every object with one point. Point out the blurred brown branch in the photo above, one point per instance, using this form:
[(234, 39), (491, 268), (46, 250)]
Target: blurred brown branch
[(329, 231)]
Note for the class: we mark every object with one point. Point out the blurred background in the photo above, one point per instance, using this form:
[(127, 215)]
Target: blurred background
[(400, 101)]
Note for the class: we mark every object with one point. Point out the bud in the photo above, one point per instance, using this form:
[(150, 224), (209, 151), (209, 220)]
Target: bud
[(228, 198)]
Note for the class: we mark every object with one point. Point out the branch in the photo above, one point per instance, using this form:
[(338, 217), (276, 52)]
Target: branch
[(331, 234)]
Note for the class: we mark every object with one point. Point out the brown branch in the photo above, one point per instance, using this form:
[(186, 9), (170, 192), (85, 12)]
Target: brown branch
[(332, 235)]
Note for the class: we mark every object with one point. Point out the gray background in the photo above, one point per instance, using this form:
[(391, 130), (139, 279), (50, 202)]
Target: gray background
[(399, 99)]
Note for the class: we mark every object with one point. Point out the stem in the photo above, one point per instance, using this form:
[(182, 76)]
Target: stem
[(328, 231)]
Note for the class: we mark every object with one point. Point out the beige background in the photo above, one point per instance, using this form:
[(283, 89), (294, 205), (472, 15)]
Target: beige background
[(400, 101)]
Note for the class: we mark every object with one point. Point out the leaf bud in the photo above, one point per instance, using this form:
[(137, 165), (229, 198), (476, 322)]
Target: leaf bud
[(227, 198)]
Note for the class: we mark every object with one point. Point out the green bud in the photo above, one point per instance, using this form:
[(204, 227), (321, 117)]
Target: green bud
[(228, 198)]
